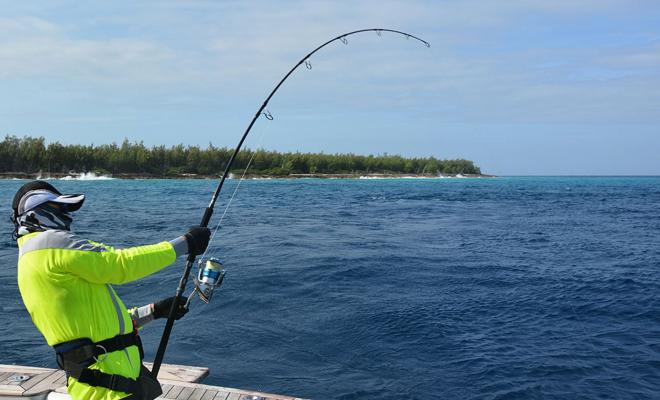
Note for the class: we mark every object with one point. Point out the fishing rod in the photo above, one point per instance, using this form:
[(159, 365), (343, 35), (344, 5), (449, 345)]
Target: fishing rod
[(208, 212)]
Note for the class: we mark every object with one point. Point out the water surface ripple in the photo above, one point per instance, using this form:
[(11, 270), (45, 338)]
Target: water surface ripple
[(507, 288)]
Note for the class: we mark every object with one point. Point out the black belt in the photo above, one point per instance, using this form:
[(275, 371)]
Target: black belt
[(77, 355), (81, 351)]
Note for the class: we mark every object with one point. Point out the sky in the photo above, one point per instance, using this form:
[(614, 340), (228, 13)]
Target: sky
[(521, 87)]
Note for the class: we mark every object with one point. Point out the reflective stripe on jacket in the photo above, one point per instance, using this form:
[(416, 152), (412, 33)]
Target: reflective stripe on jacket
[(66, 282)]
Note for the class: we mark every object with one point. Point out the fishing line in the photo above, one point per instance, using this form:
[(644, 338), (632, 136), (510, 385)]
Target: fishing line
[(208, 212), (198, 290), (268, 116)]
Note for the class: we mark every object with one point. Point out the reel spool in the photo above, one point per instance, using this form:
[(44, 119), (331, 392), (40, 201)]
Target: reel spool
[(210, 274)]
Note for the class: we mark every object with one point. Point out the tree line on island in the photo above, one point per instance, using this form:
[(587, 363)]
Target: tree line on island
[(33, 155)]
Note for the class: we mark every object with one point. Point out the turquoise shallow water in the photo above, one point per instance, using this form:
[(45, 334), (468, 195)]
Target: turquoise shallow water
[(507, 288)]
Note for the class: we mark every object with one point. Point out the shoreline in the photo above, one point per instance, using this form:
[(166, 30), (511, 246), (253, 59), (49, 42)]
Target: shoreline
[(129, 176)]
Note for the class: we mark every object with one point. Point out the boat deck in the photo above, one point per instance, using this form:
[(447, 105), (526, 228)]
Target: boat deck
[(178, 381)]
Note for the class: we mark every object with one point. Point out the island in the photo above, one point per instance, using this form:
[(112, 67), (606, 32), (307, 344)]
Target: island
[(31, 157)]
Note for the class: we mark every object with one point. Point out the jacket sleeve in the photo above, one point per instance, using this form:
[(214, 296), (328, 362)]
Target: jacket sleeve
[(102, 264)]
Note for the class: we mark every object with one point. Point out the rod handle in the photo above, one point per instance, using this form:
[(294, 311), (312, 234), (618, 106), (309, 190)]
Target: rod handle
[(160, 353)]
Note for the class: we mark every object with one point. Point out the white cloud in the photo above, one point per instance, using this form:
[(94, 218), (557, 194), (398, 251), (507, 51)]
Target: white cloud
[(37, 49), (82, 59), (26, 27), (647, 57), (187, 49)]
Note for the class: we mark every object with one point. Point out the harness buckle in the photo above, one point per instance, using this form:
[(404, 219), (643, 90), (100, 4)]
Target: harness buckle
[(113, 382)]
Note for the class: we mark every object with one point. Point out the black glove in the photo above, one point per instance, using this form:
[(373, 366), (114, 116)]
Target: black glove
[(197, 238), (162, 308)]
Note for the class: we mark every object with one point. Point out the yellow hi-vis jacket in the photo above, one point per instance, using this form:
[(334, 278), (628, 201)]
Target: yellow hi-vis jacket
[(66, 283)]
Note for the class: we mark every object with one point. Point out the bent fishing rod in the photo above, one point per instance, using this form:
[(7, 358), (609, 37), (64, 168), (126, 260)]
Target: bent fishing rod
[(208, 212)]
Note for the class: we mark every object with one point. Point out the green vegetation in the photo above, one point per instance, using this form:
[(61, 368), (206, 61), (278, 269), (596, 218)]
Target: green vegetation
[(31, 155)]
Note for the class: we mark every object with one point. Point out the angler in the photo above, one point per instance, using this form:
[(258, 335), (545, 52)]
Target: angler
[(66, 285)]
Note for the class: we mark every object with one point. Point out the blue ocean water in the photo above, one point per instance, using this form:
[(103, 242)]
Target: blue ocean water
[(506, 288)]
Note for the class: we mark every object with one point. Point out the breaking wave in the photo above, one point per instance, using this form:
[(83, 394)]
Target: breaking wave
[(86, 176)]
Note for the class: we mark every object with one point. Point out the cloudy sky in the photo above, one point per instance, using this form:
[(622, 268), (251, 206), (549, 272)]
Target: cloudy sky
[(521, 87)]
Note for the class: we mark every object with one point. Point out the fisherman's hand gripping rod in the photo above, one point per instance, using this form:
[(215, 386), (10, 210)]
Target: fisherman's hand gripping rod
[(208, 212)]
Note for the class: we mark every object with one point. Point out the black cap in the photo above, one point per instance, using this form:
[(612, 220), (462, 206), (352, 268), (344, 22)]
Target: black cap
[(42, 192)]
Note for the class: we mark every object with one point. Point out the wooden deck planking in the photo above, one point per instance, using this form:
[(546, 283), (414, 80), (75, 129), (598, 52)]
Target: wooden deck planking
[(5, 377), (209, 395), (27, 385), (165, 389), (180, 386), (216, 393), (197, 394), (221, 396), (182, 373), (176, 390), (185, 393), (23, 370), (14, 390), (46, 384), (36, 374), (61, 381)]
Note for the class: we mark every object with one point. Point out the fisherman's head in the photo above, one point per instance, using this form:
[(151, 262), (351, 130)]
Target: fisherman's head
[(38, 207)]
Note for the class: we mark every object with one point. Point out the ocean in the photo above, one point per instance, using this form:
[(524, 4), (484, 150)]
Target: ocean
[(503, 288)]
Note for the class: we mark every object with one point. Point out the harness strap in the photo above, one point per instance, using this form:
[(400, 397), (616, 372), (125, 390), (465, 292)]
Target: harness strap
[(120, 342), (119, 383), (81, 351), (77, 355)]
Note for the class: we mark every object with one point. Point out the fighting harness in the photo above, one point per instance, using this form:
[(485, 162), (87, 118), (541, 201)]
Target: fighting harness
[(75, 357)]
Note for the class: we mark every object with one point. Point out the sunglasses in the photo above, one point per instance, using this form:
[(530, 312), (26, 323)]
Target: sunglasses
[(57, 206)]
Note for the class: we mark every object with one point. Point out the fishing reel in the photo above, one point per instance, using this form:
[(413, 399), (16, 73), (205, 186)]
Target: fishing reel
[(210, 275)]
